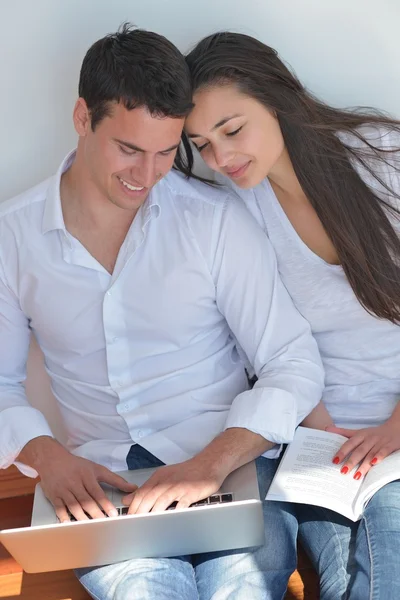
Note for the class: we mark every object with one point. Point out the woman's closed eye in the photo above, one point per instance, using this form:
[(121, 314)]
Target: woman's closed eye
[(229, 134), (200, 148), (232, 133)]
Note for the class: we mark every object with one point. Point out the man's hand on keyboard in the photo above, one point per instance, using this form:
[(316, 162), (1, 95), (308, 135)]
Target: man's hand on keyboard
[(184, 483), (71, 482)]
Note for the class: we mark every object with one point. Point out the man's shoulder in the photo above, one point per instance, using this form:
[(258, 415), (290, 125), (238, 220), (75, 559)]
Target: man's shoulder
[(187, 190), (207, 209), (29, 199)]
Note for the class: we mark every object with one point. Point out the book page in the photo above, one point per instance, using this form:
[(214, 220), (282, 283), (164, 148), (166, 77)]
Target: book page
[(385, 472), (307, 475)]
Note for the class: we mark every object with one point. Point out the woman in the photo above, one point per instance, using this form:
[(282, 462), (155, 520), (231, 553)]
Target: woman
[(325, 185)]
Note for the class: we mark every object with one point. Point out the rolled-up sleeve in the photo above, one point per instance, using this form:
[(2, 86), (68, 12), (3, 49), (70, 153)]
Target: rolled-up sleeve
[(276, 339), (19, 421)]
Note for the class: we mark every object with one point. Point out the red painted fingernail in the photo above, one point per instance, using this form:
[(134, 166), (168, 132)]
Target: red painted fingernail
[(374, 461), (336, 460), (357, 475), (344, 470)]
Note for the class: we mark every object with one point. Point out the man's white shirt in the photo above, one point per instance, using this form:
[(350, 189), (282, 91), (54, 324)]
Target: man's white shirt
[(149, 354)]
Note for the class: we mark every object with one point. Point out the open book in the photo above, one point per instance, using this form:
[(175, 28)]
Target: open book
[(308, 476)]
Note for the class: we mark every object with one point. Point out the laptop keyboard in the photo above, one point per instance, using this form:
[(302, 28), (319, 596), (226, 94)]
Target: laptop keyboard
[(215, 499), (210, 501)]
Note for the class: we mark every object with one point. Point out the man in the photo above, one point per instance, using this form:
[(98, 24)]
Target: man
[(137, 285)]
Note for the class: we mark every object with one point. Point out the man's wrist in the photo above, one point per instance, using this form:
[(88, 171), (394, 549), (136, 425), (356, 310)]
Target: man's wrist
[(230, 450), (38, 450), (218, 466)]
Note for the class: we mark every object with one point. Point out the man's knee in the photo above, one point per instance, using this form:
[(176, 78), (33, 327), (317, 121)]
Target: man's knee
[(138, 579)]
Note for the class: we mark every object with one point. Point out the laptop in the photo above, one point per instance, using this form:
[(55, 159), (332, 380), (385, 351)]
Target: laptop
[(230, 519)]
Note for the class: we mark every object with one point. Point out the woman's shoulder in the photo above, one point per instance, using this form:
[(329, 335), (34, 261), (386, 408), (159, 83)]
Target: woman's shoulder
[(375, 154), (372, 136), (247, 195), (256, 199)]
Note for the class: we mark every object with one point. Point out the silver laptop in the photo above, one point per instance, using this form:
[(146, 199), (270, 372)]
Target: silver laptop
[(230, 519)]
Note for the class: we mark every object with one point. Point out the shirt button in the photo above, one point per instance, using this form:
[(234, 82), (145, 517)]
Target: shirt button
[(109, 293), (140, 433)]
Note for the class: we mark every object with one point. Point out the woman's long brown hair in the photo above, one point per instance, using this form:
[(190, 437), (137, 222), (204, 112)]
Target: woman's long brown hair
[(358, 220)]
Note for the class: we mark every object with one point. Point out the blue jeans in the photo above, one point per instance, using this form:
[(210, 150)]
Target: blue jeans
[(356, 561), (251, 574)]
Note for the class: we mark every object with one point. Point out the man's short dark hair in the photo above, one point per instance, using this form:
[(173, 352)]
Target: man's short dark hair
[(139, 69)]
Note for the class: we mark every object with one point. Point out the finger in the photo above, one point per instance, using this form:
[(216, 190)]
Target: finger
[(357, 456), (127, 500), (345, 432), (97, 493), (74, 507), (61, 511), (144, 504), (192, 495), (133, 500), (94, 502), (115, 480), (186, 501), (382, 452), (347, 448), (165, 500), (365, 465)]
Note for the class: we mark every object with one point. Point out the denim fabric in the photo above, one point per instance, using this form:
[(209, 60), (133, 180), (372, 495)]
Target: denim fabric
[(255, 574), (356, 561)]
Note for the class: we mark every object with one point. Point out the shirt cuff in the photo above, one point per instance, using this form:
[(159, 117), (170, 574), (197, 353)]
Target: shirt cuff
[(269, 412), (19, 425)]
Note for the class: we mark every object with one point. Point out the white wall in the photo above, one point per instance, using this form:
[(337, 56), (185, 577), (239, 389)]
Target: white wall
[(346, 51)]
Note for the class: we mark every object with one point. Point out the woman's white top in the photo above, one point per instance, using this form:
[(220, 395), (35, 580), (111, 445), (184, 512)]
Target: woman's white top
[(360, 353)]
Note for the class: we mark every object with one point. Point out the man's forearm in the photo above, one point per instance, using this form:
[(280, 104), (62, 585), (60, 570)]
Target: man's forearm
[(232, 449)]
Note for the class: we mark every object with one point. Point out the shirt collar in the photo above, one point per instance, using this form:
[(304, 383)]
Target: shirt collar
[(152, 206), (53, 215)]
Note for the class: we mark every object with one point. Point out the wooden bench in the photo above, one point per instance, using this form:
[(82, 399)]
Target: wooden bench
[(16, 498)]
